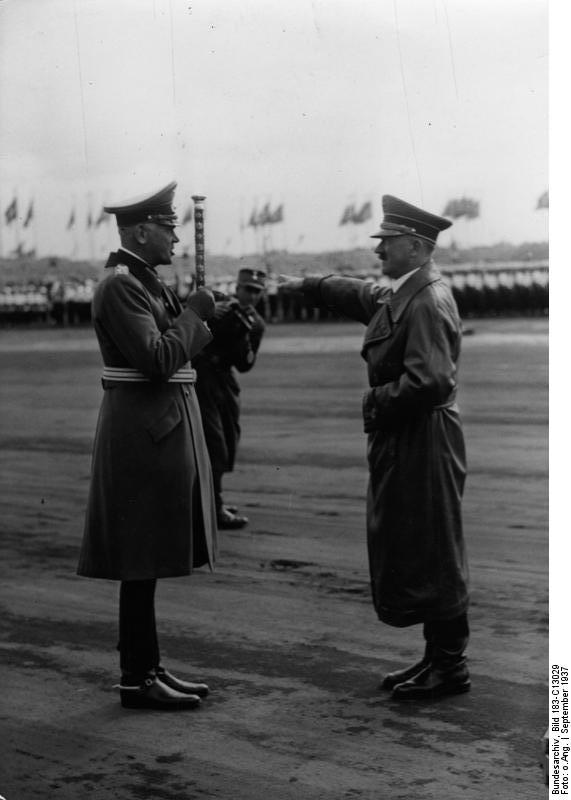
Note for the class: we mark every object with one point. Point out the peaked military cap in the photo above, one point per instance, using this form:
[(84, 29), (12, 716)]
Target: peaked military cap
[(154, 207), (403, 219), (254, 278)]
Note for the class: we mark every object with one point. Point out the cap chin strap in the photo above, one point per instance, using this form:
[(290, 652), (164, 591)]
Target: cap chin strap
[(394, 226), (169, 220)]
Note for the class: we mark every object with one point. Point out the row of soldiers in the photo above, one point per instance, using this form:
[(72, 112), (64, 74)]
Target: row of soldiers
[(478, 292)]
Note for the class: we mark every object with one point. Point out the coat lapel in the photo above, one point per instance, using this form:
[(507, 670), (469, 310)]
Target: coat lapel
[(400, 299), (380, 325)]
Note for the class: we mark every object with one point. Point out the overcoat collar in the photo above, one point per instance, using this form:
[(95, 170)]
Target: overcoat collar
[(139, 269), (400, 300)]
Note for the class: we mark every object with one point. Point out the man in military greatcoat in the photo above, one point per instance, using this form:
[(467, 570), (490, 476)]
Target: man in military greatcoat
[(150, 511), (237, 329), (416, 455)]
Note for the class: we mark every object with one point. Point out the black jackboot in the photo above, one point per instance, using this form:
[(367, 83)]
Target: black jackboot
[(446, 673)]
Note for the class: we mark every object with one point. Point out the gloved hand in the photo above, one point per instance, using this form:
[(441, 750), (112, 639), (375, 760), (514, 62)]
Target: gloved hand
[(290, 283), (223, 308), (202, 303), (232, 319)]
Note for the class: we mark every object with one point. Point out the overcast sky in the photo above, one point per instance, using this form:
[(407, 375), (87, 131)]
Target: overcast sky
[(309, 103)]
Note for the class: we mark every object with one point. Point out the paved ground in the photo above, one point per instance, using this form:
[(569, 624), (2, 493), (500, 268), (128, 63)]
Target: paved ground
[(284, 630)]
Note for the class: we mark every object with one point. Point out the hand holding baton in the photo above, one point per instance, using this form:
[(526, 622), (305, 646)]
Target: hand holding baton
[(201, 300)]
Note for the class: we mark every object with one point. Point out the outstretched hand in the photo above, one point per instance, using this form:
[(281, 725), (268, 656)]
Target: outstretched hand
[(289, 283)]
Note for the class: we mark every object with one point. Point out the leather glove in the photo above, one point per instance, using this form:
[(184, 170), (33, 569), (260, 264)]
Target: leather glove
[(202, 303), (223, 308)]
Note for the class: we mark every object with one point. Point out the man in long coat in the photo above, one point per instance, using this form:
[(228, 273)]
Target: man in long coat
[(237, 329), (416, 454), (151, 509)]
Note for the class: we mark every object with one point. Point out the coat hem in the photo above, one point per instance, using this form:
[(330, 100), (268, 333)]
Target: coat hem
[(403, 619), (140, 576)]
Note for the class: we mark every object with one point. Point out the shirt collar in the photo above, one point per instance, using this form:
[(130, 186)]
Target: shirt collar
[(396, 283)]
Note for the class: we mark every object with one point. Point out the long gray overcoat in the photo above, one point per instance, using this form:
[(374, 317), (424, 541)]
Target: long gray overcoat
[(150, 511), (415, 450)]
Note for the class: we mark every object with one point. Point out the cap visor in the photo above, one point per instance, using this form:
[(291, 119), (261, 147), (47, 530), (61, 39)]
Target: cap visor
[(385, 234)]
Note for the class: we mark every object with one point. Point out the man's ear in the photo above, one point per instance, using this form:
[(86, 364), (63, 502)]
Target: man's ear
[(418, 248), (141, 234)]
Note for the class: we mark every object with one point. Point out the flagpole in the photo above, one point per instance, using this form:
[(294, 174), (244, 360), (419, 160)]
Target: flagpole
[(284, 230), (70, 225), (242, 227), (90, 225), (17, 221), (254, 223), (34, 227), (74, 232), (272, 236)]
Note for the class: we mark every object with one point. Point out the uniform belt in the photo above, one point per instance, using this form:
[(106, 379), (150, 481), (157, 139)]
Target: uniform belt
[(130, 375)]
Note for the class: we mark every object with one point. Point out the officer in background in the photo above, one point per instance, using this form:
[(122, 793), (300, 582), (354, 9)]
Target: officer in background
[(150, 510), (237, 329), (415, 448)]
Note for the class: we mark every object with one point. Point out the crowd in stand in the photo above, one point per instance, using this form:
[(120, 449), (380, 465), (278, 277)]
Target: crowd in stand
[(492, 291)]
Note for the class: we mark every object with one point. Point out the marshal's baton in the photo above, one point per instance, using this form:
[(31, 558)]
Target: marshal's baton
[(198, 201)]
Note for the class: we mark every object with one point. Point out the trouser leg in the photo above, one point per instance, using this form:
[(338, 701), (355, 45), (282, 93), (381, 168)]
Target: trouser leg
[(138, 643), (217, 483), (446, 641)]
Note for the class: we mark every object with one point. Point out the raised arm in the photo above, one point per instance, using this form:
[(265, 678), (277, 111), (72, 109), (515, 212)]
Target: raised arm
[(349, 297)]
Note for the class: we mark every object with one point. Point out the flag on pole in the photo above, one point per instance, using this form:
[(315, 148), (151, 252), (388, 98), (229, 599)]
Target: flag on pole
[(187, 216), (462, 207), (253, 221), (364, 214), (29, 215), (265, 215), (89, 220), (11, 212), (348, 215), (277, 215), (543, 201), (71, 220)]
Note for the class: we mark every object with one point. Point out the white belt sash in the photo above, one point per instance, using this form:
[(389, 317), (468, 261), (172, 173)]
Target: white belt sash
[(130, 375)]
